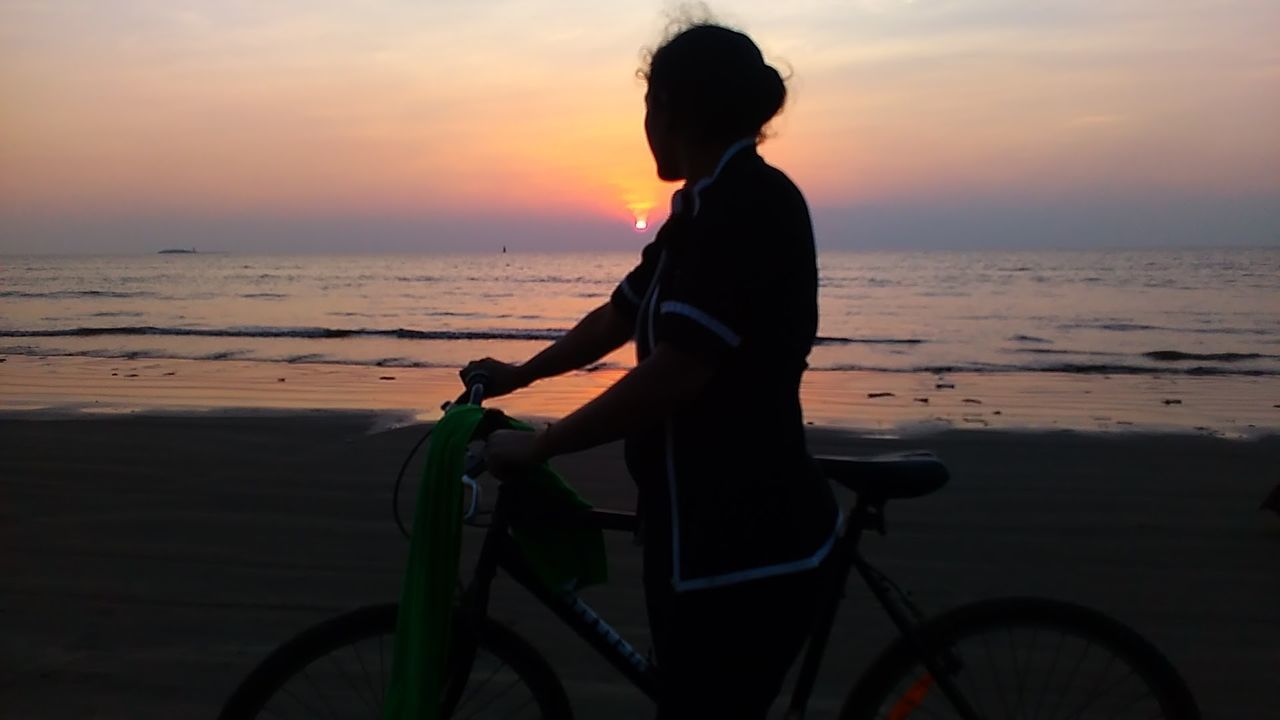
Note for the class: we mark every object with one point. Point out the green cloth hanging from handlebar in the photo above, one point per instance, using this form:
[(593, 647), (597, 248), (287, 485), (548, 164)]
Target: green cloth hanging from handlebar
[(562, 558)]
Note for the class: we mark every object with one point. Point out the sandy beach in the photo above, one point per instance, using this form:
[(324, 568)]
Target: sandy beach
[(150, 561), (879, 403)]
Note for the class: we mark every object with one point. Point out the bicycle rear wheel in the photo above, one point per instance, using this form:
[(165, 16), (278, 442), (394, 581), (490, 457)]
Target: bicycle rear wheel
[(1024, 658), (340, 669)]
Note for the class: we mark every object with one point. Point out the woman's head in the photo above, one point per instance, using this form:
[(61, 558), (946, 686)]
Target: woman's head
[(709, 86)]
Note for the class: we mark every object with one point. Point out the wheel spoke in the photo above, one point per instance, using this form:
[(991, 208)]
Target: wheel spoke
[(1070, 682), (476, 690), (995, 673), (1017, 674), (1043, 660), (297, 681), (319, 695), (373, 693), (519, 709), (382, 676), (1099, 695), (495, 697), (964, 669), (299, 701), (1048, 680), (341, 672), (1141, 696)]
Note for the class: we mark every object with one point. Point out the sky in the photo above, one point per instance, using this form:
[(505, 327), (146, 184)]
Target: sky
[(424, 125)]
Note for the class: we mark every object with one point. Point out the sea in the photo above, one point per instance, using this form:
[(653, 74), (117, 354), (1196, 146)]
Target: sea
[(1213, 312)]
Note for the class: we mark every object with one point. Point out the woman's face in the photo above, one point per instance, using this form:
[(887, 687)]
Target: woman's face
[(659, 130)]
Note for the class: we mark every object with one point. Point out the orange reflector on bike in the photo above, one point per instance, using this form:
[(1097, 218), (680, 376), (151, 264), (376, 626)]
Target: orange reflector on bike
[(911, 699)]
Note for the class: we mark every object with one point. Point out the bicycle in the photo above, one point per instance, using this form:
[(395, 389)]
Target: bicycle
[(1009, 657)]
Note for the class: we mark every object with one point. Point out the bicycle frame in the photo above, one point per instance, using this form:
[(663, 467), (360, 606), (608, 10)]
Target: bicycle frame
[(866, 515), (499, 551)]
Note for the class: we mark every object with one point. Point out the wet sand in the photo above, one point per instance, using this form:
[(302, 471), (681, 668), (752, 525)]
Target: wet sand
[(869, 402), (148, 562)]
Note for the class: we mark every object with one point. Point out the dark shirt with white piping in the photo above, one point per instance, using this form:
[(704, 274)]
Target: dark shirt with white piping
[(727, 490)]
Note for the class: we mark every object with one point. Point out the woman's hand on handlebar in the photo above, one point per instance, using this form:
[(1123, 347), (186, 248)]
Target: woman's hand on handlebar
[(501, 378), (513, 450)]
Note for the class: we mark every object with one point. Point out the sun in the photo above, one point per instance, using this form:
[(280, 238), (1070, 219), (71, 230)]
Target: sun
[(639, 210)]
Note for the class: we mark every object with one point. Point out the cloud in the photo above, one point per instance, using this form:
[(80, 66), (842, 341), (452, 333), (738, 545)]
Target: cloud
[(141, 107)]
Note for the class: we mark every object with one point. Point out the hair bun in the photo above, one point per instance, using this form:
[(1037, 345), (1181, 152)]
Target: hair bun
[(772, 93), (719, 79)]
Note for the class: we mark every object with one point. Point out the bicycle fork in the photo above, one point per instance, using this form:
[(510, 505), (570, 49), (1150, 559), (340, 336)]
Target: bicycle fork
[(471, 614)]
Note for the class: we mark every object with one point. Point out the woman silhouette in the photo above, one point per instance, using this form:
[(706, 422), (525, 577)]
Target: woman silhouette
[(723, 311)]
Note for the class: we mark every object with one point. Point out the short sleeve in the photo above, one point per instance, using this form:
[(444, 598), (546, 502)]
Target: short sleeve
[(629, 293), (706, 306)]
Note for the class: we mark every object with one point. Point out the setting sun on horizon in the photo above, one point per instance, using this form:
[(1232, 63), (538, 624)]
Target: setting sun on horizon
[(417, 123)]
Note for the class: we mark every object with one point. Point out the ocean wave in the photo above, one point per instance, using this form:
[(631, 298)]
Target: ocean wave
[(1066, 367), (70, 294), (1157, 355), (452, 313), (1139, 327), (290, 332), (823, 340), (1062, 351), (1179, 356), (328, 333), (235, 355), (240, 355), (517, 279), (1029, 339), (221, 355)]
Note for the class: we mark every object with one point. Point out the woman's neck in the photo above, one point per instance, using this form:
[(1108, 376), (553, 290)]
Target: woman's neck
[(700, 161)]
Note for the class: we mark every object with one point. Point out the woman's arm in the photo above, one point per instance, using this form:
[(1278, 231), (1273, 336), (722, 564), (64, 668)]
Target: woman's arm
[(665, 380), (600, 332)]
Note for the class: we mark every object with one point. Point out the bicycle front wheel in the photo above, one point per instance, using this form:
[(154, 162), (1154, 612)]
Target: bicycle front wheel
[(340, 670), (1023, 658)]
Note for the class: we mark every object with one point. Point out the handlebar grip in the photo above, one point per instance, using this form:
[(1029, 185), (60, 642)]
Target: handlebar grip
[(475, 383)]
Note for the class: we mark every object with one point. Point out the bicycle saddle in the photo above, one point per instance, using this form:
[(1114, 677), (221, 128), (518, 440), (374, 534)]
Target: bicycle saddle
[(887, 477)]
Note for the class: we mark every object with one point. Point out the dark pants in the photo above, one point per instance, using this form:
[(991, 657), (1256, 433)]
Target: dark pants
[(724, 652)]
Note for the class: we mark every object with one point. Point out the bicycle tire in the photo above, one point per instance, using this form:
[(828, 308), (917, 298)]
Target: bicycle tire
[(897, 686), (326, 660)]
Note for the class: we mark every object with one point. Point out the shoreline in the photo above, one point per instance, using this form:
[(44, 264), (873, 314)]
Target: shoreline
[(868, 403), (393, 420)]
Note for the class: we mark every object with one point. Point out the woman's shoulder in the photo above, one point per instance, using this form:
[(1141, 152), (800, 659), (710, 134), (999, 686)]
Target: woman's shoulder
[(758, 219), (757, 192)]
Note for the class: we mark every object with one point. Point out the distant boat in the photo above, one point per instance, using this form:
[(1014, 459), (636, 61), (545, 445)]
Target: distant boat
[(178, 251)]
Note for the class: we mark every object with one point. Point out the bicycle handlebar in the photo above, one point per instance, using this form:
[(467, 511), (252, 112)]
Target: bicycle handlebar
[(475, 382), (474, 395)]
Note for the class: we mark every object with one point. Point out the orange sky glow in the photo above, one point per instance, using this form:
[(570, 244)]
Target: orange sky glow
[(515, 108)]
